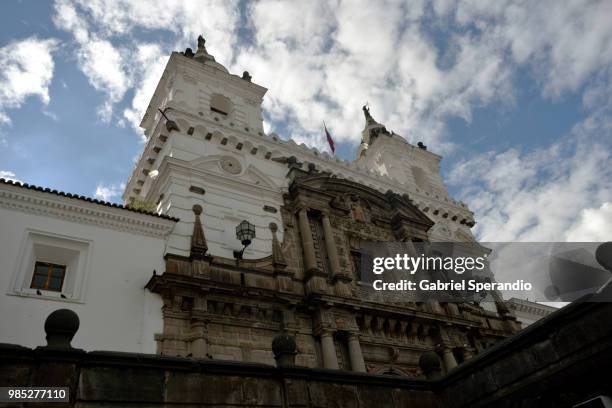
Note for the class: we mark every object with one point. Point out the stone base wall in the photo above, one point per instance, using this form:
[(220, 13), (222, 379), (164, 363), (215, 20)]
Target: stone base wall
[(106, 379), (558, 362)]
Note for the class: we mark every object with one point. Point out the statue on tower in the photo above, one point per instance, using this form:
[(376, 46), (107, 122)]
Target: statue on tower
[(201, 54), (369, 119), (201, 42)]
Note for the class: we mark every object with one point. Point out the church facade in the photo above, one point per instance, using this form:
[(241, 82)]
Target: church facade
[(195, 290)]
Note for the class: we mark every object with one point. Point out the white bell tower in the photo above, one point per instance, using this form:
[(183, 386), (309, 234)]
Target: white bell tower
[(203, 126)]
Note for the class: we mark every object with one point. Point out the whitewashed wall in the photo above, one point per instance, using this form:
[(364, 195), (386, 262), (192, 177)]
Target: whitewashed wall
[(232, 193), (115, 310)]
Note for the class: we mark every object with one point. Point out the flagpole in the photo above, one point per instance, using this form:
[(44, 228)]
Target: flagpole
[(330, 141)]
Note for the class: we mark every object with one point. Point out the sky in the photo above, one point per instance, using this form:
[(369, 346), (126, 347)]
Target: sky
[(516, 96)]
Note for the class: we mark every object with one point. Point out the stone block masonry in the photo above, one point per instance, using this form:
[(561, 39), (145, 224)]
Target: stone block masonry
[(558, 362)]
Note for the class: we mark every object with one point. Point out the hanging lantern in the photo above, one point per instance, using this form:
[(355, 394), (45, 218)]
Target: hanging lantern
[(245, 232)]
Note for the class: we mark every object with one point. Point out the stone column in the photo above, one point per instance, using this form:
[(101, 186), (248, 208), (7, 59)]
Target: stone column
[(449, 359), (330, 246), (199, 345), (330, 359), (310, 258), (357, 363)]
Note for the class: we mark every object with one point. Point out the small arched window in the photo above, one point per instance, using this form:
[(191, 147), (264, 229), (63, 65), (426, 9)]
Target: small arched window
[(221, 105)]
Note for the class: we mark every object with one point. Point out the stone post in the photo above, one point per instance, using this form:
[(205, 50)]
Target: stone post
[(430, 365), (330, 246), (310, 258), (61, 326), (330, 359), (357, 363), (284, 348), (449, 359)]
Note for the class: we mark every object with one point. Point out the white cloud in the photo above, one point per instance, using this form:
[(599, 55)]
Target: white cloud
[(323, 60), (114, 69), (9, 175), (50, 115), (592, 225), (106, 69), (109, 192), (104, 65), (187, 18), (541, 195), (26, 69), (153, 61), (563, 42)]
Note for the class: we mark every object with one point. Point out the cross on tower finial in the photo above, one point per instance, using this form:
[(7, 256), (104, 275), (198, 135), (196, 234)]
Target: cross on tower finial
[(366, 112), (201, 54)]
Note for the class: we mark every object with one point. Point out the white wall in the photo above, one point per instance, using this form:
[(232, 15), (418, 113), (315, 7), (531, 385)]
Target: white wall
[(115, 311), (229, 197)]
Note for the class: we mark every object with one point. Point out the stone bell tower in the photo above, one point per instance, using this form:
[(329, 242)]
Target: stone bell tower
[(391, 155), (418, 171), (202, 127)]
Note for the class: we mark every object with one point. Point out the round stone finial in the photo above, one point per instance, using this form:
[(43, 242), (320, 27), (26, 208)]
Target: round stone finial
[(197, 209), (284, 348), (61, 326), (429, 362), (603, 254), (273, 227)]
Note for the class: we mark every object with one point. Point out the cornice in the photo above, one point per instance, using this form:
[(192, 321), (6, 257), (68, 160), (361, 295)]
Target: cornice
[(181, 65), (76, 210), (346, 169), (531, 308), (171, 166)]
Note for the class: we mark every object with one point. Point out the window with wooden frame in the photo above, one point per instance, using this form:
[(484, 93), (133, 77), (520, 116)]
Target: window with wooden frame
[(48, 276)]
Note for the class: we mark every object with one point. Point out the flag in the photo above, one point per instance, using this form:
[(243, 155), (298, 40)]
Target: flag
[(332, 145)]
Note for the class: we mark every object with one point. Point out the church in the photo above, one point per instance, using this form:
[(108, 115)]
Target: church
[(231, 239)]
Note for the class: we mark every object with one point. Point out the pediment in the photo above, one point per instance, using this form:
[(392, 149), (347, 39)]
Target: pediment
[(208, 163), (346, 193), (232, 169), (259, 178)]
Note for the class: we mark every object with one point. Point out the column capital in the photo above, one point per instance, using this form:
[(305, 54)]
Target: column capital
[(300, 207), (353, 335), (324, 331)]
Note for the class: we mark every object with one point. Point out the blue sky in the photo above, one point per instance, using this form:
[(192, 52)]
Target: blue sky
[(516, 97)]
